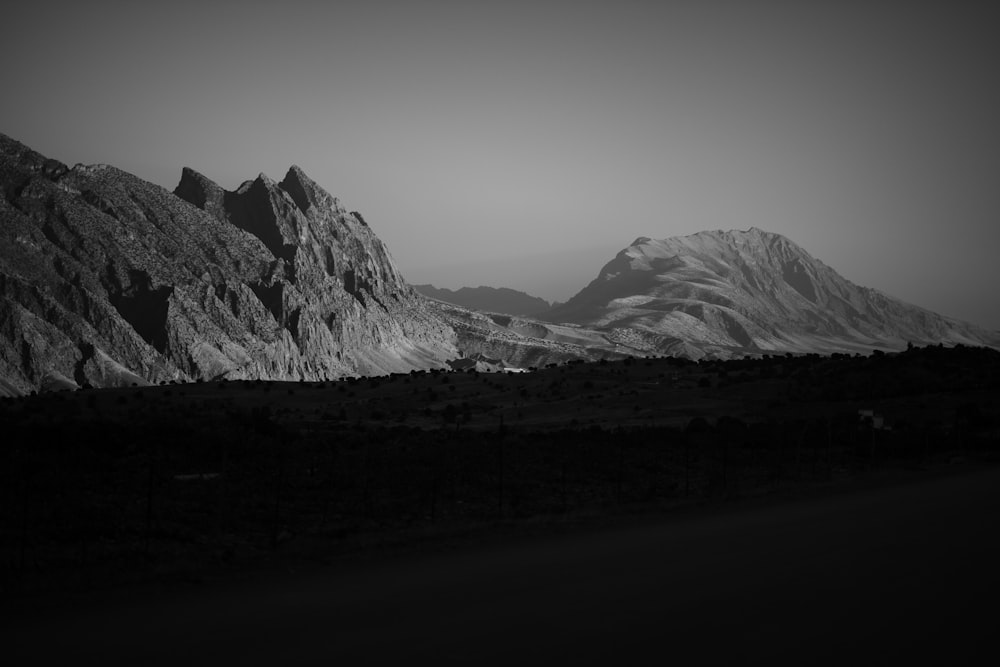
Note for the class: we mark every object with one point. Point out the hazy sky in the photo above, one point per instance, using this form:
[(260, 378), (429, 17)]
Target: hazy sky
[(524, 144)]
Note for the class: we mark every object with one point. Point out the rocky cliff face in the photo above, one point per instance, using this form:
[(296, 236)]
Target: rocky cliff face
[(725, 293), (107, 279)]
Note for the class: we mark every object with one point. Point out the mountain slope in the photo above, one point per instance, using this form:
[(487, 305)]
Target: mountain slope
[(723, 293), (488, 299), (523, 342), (108, 279)]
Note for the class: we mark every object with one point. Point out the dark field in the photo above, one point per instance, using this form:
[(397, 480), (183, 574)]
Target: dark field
[(903, 574), (129, 492)]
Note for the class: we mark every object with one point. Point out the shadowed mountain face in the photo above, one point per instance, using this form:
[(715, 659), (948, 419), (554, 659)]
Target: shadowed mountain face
[(107, 279), (488, 299), (724, 293)]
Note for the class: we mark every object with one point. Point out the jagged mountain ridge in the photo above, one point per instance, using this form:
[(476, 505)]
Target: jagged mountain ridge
[(488, 299), (724, 293), (107, 279)]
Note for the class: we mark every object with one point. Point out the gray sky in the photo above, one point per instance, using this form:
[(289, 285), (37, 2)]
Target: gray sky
[(524, 144)]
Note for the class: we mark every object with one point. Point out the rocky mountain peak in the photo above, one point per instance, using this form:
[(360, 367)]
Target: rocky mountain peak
[(303, 226), (728, 292), (201, 191), (306, 193), (108, 279)]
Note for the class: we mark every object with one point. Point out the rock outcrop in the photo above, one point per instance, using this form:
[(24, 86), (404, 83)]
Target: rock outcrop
[(720, 294), (107, 279)]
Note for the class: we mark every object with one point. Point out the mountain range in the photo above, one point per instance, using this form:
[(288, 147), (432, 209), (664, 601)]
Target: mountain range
[(109, 280), (106, 279), (489, 299)]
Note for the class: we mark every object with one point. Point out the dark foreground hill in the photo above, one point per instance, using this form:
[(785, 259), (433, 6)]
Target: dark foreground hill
[(108, 280), (722, 294)]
